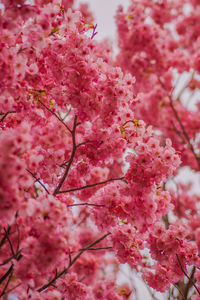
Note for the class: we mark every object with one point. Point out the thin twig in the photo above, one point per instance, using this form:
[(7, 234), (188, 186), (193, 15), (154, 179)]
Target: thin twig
[(10, 290), (71, 262), (11, 246), (185, 86), (89, 204), (176, 285), (95, 249), (6, 274), (91, 249), (6, 261), (150, 291), (194, 285), (180, 123), (38, 180), (94, 31), (18, 238), (190, 281), (53, 113), (5, 236), (91, 185), (71, 158), (6, 114), (6, 285)]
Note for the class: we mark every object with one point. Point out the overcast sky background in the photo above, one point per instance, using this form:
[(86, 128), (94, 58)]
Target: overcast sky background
[(104, 13)]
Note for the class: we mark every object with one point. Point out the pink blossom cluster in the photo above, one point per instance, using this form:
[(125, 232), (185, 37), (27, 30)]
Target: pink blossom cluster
[(89, 146)]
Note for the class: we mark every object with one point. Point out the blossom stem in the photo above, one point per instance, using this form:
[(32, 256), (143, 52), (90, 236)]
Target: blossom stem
[(180, 123), (53, 113), (89, 204), (71, 158), (194, 285), (91, 185), (71, 262), (6, 114), (38, 180)]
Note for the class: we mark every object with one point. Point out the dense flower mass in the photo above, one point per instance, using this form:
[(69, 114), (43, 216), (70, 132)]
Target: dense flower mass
[(92, 151)]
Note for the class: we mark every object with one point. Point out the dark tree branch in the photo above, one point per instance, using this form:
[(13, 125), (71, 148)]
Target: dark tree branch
[(180, 292), (15, 254), (5, 236), (190, 282), (91, 185), (53, 113), (194, 285), (71, 262), (74, 147), (89, 204), (6, 114), (9, 278), (6, 274), (180, 123), (38, 180), (12, 289), (100, 248)]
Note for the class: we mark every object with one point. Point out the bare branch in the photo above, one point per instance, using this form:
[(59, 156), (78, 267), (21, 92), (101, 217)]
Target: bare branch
[(180, 123), (6, 274), (176, 285), (100, 248), (71, 262), (91, 185), (9, 278), (194, 285), (9, 241), (38, 180), (12, 289), (6, 114), (53, 113), (5, 236), (190, 282), (89, 204), (71, 158)]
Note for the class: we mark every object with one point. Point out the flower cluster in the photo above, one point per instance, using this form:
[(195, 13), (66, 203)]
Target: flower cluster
[(89, 146)]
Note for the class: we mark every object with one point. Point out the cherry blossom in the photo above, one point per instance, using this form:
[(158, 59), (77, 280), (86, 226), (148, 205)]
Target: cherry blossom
[(92, 149)]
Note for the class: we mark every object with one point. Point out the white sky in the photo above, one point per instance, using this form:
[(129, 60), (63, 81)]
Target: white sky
[(104, 13)]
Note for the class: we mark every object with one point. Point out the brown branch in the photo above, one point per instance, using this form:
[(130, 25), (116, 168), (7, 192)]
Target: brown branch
[(190, 282), (6, 261), (10, 290), (83, 143), (89, 204), (15, 254), (71, 262), (178, 133), (38, 180), (6, 114), (91, 185), (194, 285), (6, 274), (176, 285), (9, 241), (63, 165), (9, 278), (180, 123), (71, 158), (100, 248), (53, 113), (5, 236), (18, 238), (91, 249)]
